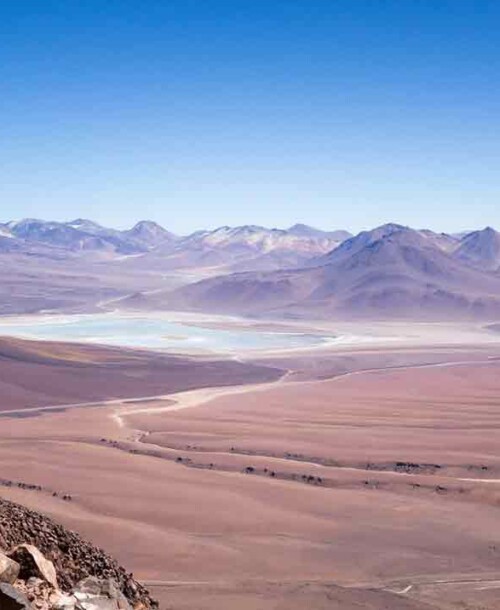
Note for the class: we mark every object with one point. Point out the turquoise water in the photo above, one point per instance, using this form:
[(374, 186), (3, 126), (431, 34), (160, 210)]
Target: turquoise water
[(151, 332)]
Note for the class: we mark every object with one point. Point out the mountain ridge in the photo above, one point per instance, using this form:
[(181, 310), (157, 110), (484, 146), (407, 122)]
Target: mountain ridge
[(481, 248), (389, 271), (250, 245)]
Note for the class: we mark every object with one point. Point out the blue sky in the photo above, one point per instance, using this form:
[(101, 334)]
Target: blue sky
[(340, 114)]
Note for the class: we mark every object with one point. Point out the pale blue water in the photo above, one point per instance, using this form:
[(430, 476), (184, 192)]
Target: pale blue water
[(150, 332)]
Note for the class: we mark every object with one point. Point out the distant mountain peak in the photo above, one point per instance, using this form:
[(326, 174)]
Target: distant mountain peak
[(6, 234), (481, 248), (149, 225), (12, 224), (150, 234), (303, 230), (82, 221), (489, 231), (299, 226), (84, 224)]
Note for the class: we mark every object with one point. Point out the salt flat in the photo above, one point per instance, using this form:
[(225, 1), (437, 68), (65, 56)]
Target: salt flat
[(152, 332)]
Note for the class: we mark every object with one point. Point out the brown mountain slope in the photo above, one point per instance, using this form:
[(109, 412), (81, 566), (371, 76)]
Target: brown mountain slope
[(36, 374)]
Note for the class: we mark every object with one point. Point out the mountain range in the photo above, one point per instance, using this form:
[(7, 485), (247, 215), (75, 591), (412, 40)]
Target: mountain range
[(251, 246), (390, 271)]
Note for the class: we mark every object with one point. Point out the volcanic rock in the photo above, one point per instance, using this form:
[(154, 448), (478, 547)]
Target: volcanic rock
[(11, 599), (9, 569), (34, 564), (73, 558)]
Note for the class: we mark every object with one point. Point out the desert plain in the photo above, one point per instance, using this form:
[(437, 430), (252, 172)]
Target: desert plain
[(361, 474)]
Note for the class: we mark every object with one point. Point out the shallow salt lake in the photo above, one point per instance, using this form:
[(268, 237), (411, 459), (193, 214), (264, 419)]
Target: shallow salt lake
[(151, 332)]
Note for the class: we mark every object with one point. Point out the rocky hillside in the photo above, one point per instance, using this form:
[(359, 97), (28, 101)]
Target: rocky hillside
[(43, 566)]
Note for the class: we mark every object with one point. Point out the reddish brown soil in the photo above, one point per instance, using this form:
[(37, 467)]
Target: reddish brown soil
[(285, 495), (34, 374)]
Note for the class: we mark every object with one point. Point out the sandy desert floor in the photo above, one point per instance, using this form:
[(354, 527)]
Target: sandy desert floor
[(365, 477)]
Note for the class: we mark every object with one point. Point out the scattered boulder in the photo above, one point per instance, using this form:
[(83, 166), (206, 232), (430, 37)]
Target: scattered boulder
[(93, 593), (40, 593), (33, 586), (9, 569), (64, 602), (34, 564), (73, 558), (12, 599)]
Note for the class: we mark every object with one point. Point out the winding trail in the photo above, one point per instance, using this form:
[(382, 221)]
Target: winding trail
[(120, 408), (193, 398)]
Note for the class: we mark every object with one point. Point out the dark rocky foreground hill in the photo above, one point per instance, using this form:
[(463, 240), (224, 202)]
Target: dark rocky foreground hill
[(44, 566)]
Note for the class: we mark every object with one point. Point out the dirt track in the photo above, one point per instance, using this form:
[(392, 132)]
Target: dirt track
[(315, 493)]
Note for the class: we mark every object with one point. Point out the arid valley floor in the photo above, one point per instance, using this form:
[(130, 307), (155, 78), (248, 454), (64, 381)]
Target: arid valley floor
[(250, 305), (361, 475)]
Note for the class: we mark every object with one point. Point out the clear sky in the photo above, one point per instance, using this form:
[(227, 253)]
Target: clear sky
[(198, 113)]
